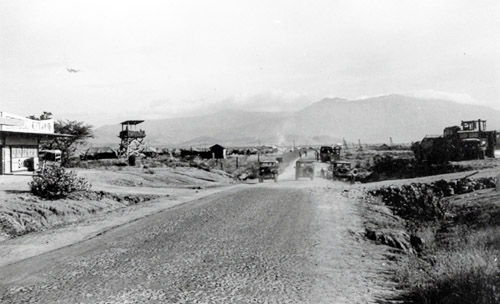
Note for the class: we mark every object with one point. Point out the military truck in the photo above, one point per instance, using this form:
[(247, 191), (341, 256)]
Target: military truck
[(268, 170), (325, 153), (304, 168), (470, 141), (342, 170), (328, 153)]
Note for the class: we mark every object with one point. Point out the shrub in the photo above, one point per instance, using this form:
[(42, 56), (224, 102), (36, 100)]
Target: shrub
[(56, 183)]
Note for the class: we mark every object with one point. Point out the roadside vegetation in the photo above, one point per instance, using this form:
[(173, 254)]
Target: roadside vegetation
[(453, 229), (56, 183)]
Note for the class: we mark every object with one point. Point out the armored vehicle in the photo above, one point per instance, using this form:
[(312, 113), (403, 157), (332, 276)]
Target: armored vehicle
[(304, 168), (268, 170)]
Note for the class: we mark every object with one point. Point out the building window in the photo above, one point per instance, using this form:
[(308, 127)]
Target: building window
[(24, 152)]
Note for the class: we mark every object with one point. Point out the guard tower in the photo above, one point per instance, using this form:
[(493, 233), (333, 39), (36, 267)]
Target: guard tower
[(132, 139)]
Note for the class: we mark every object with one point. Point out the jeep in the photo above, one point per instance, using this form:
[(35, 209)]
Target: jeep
[(304, 168), (268, 170)]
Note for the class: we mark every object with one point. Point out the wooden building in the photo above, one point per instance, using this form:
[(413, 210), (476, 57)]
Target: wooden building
[(218, 151), (19, 142), (215, 151), (99, 153)]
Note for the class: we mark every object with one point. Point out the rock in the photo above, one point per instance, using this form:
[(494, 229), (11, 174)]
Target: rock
[(417, 242), (449, 191), (394, 239), (243, 177)]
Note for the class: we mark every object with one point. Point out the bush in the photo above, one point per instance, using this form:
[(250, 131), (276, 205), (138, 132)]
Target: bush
[(56, 183)]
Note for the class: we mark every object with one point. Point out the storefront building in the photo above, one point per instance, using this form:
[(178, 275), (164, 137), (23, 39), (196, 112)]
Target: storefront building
[(19, 142)]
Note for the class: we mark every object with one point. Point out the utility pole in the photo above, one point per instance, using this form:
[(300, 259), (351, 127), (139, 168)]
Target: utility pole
[(345, 144)]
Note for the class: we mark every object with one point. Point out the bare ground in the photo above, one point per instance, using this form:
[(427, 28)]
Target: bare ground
[(285, 242), (290, 242), (114, 203)]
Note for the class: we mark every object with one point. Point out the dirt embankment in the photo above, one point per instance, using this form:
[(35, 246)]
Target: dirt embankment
[(24, 213), (376, 166), (445, 235), (115, 188)]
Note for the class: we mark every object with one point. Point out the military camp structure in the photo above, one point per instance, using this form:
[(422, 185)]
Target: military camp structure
[(216, 151), (19, 142)]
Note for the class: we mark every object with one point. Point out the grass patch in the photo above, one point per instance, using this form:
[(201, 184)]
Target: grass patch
[(459, 261), (469, 275)]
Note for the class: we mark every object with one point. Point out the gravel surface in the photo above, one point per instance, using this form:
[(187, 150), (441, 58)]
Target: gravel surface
[(246, 247), (286, 242)]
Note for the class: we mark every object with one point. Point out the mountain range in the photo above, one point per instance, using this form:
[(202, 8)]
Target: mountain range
[(373, 120)]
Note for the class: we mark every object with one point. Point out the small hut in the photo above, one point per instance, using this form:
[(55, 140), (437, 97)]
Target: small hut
[(100, 153), (218, 151)]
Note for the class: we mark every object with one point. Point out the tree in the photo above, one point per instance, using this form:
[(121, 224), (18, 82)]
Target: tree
[(80, 132), (44, 116)]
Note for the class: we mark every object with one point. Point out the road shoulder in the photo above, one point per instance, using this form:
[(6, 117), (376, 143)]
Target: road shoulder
[(17, 249), (344, 258)]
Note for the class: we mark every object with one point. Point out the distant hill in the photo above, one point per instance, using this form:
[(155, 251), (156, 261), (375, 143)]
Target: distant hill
[(372, 120), (201, 130)]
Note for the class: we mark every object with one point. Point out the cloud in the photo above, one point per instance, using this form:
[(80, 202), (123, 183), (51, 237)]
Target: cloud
[(270, 101), (432, 94), (267, 101), (361, 97), (456, 97)]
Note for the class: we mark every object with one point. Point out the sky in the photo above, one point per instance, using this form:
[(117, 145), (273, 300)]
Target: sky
[(162, 59)]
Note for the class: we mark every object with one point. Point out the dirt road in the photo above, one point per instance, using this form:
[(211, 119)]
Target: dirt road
[(290, 242)]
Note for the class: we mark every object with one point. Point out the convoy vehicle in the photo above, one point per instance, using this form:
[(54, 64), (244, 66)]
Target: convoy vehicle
[(328, 153), (47, 158), (325, 153), (50, 155), (342, 170), (336, 152), (304, 168), (470, 141), (268, 170)]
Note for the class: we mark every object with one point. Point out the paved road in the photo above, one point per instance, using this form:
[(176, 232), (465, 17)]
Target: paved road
[(271, 243)]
